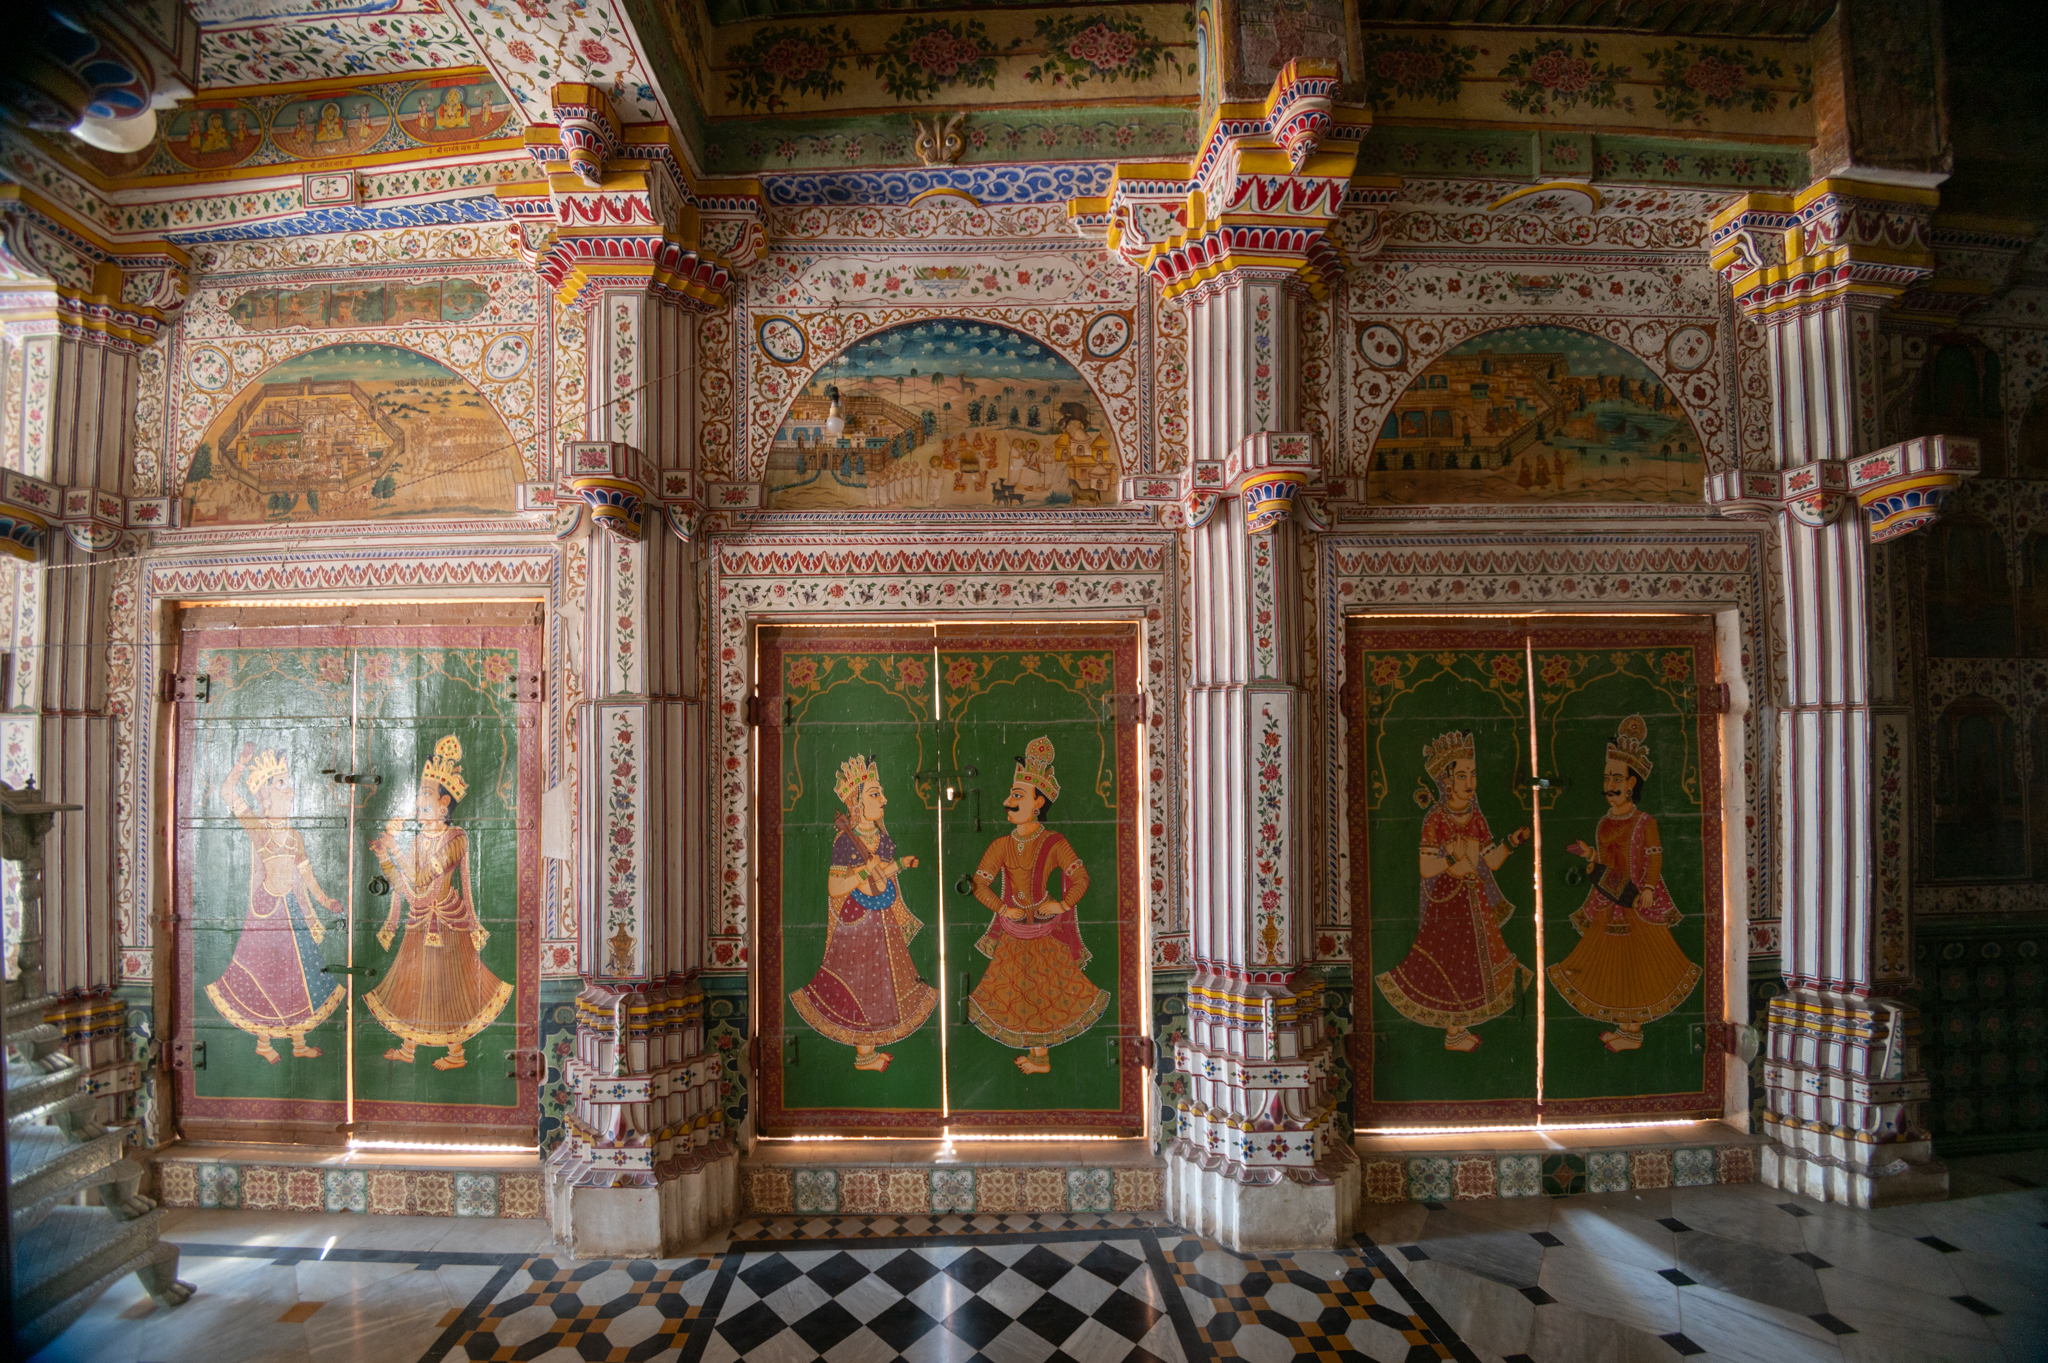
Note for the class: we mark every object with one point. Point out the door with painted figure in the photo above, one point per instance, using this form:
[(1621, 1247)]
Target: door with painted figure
[(916, 976), (357, 861), (1042, 909), (1585, 961)]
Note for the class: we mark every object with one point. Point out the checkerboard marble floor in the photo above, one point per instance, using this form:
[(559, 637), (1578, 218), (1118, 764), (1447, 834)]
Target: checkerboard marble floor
[(1707, 1273)]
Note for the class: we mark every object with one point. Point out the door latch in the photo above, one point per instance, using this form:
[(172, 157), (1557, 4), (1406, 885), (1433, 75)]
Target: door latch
[(368, 972), (188, 688), (378, 885)]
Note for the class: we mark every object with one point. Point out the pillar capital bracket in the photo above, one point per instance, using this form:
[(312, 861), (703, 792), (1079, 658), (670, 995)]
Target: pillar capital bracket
[(1900, 488), (1835, 239), (121, 295), (1269, 469), (613, 483), (1269, 180)]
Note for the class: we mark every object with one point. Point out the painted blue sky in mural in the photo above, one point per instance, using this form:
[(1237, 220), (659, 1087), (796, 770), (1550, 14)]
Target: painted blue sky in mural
[(360, 361), (947, 346), (1588, 353)]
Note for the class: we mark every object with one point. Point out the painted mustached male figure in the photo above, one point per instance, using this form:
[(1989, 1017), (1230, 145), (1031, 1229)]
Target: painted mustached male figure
[(273, 988), (1626, 969), (1034, 995), (1460, 971), (867, 993)]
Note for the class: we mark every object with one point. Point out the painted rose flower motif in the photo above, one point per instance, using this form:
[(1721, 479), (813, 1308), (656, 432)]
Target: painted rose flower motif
[(943, 53), (783, 62), (1405, 67), (519, 51), (1713, 78), (333, 670), (1676, 666), (497, 667), (1408, 70), (803, 674), (1385, 671), (1555, 670), (1093, 671), (595, 52), (1556, 71), (912, 674), (1102, 47), (1508, 668), (793, 59), (959, 673)]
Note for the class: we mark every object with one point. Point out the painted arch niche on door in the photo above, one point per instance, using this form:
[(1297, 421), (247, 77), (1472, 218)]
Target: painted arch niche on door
[(951, 906), (1470, 1009)]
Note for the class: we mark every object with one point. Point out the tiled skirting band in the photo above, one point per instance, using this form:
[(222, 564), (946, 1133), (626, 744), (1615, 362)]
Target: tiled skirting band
[(380, 1192), (805, 1190), (1392, 1177)]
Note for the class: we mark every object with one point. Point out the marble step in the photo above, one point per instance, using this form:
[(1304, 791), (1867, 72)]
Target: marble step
[(44, 1165), (32, 1333), (27, 1010), (74, 1248), (34, 1089)]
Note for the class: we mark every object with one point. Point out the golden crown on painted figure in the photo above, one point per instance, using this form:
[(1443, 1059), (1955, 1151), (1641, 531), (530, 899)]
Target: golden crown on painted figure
[(855, 772), (1035, 768), (444, 768), (1628, 745), (267, 765), (1448, 748)]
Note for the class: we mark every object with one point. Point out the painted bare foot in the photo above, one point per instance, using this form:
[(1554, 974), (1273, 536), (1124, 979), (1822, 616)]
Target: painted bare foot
[(451, 1061), (1035, 1062), (1458, 1039), (266, 1050), (871, 1060), (300, 1048), (402, 1054), (1626, 1039)]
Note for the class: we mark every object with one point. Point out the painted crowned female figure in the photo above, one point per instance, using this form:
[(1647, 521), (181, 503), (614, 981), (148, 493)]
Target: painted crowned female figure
[(273, 987), (1460, 972), (1034, 995), (438, 992), (1626, 969), (867, 993)]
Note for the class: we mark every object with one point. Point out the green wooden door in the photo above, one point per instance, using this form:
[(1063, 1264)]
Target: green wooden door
[(1042, 905), (849, 867), (1441, 763), (1449, 927), (1631, 869), (892, 1000), (358, 880)]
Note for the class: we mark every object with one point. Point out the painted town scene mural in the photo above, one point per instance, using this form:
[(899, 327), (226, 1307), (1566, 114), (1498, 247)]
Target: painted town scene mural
[(354, 432), (1536, 414), (945, 413)]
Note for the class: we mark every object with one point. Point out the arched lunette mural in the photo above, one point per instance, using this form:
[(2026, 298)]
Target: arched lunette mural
[(943, 412)]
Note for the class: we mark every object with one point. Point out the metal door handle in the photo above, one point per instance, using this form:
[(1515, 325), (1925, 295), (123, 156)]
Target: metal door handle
[(379, 885), (368, 972)]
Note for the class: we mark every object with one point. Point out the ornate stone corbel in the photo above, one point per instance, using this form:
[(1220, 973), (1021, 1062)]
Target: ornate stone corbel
[(1899, 488), (607, 476), (588, 129)]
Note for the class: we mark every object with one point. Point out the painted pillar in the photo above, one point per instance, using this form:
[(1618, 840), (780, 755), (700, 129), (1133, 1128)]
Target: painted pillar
[(647, 1165), (1258, 1160), (1816, 270)]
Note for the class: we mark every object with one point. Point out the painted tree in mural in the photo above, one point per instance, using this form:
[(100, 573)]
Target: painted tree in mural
[(439, 992), (867, 993), (1460, 971), (1626, 970), (1034, 995), (274, 986)]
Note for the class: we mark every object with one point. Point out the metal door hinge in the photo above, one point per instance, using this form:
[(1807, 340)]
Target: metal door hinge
[(528, 687), (1126, 709), (1140, 1052), (188, 687), (188, 1055), (526, 1064), (770, 712), (1714, 699)]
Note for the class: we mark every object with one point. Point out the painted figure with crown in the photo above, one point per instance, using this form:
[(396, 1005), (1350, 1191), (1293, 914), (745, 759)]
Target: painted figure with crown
[(273, 988), (1626, 969), (1460, 971), (438, 992), (1034, 995), (867, 993)]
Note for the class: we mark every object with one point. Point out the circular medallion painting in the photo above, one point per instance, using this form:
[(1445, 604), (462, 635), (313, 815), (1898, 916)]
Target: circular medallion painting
[(1107, 336), (782, 340), (208, 369), (1382, 347), (1689, 348), (507, 357)]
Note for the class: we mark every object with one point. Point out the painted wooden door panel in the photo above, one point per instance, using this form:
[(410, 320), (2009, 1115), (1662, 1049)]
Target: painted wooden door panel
[(453, 940), (263, 889), (1631, 869), (1441, 761), (291, 948), (850, 932), (1042, 930)]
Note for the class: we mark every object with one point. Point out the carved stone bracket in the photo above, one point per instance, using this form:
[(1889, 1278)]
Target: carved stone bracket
[(612, 483), (1900, 488)]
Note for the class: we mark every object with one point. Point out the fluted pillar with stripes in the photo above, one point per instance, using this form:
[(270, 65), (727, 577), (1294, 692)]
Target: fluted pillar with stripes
[(1815, 271)]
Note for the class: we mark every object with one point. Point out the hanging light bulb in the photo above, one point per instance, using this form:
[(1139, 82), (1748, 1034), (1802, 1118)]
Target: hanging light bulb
[(835, 420)]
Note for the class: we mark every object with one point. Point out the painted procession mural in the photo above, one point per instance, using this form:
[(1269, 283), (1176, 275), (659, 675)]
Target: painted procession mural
[(1036, 924), (1534, 414), (1630, 871), (944, 413), (421, 958), (358, 431)]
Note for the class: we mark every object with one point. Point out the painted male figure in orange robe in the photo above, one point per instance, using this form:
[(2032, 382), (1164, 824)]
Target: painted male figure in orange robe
[(438, 992), (1626, 969), (1034, 995)]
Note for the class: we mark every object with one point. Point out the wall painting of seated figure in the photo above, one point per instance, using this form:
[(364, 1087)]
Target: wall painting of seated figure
[(1535, 414), (354, 432), (945, 413)]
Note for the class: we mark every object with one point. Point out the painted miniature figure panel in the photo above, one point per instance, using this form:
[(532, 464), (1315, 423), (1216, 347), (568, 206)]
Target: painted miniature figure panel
[(418, 873), (941, 413), (1442, 816), (1535, 415), (358, 431), (850, 894), (1632, 871), (1043, 917)]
